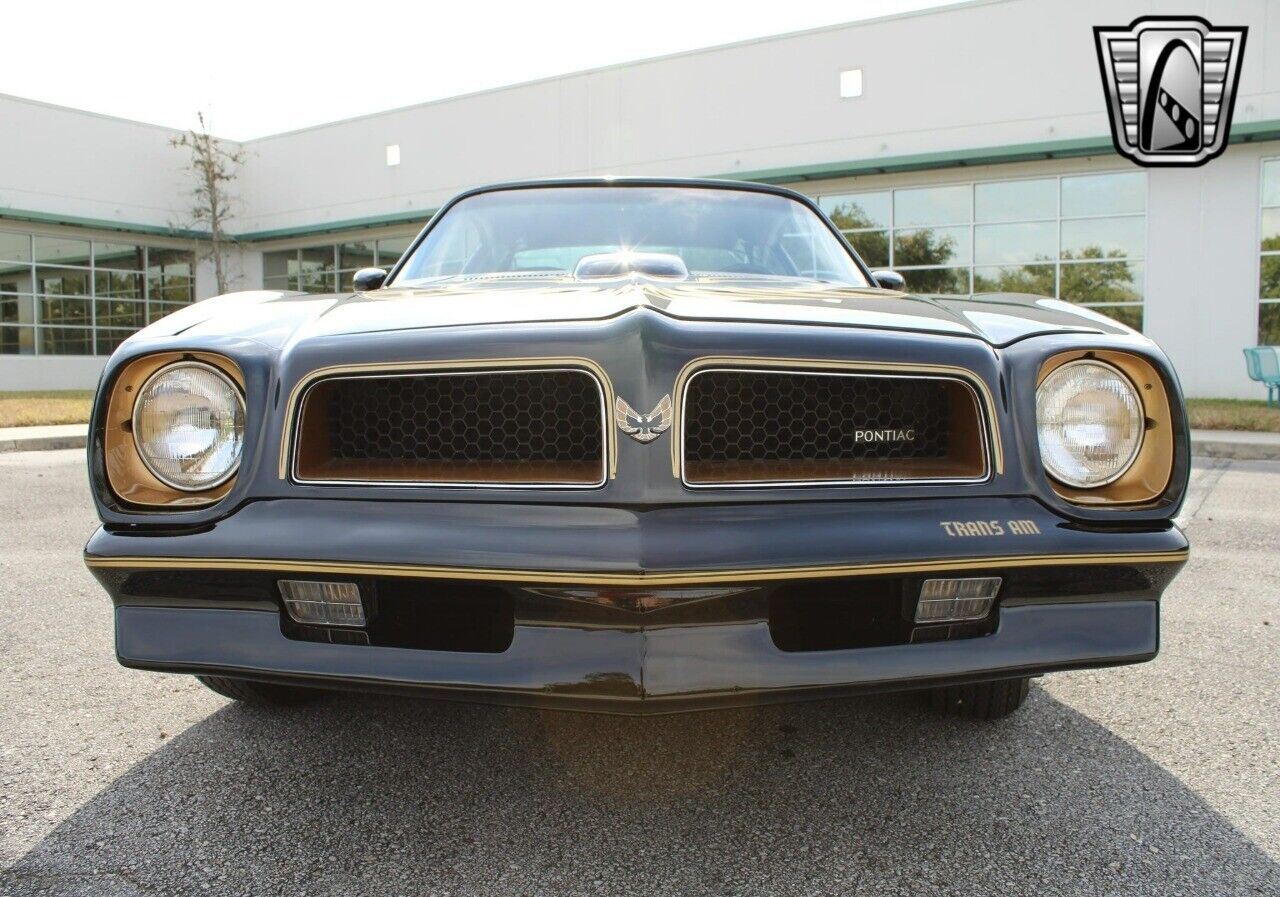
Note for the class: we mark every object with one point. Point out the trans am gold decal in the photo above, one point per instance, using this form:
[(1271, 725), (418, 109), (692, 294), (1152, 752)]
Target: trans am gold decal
[(990, 527)]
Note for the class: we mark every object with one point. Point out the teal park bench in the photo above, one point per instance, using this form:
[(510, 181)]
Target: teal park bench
[(1264, 366)]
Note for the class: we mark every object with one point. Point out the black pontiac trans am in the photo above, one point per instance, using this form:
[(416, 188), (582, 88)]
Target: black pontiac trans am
[(636, 446)]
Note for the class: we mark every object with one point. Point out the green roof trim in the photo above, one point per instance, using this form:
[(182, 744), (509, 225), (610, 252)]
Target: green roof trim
[(101, 224), (1251, 131), (418, 217), (1241, 132), (1023, 152)]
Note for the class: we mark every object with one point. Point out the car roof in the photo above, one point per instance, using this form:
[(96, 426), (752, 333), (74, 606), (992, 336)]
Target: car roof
[(706, 183)]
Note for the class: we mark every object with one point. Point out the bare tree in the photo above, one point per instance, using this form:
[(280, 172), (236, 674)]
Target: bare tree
[(215, 167)]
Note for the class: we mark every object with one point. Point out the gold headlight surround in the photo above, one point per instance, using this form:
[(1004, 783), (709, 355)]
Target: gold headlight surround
[(127, 475), (1148, 476)]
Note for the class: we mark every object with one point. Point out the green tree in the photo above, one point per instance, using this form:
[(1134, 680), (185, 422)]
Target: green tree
[(1037, 279), (914, 248), (1270, 286), (1105, 280), (851, 216), (872, 245), (214, 168), (922, 247), (927, 247)]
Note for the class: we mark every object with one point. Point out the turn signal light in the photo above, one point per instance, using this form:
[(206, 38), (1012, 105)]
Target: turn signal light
[(956, 600), (323, 603)]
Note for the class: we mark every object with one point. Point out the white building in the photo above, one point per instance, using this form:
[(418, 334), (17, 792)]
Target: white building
[(968, 147)]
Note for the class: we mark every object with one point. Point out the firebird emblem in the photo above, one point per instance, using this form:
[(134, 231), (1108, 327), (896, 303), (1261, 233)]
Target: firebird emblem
[(644, 427)]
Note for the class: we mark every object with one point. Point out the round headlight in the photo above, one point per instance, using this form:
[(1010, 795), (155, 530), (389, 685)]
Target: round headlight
[(188, 424), (1090, 423)]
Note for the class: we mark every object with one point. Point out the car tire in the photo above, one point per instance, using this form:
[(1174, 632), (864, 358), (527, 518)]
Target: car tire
[(261, 693), (981, 700)]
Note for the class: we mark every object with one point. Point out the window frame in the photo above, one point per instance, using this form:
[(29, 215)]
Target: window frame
[(891, 230), (1263, 254), (39, 328), (292, 283)]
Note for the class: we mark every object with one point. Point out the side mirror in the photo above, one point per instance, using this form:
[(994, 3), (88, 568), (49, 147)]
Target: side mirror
[(885, 279), (367, 279)]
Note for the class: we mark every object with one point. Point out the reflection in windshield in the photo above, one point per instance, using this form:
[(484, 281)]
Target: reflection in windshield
[(717, 232)]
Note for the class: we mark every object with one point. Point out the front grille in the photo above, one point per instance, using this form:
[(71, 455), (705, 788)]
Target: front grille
[(539, 427), (752, 427)]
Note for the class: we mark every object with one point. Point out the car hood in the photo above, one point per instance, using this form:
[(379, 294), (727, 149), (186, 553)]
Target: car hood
[(279, 318)]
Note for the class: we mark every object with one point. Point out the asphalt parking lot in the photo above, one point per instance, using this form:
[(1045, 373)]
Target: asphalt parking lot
[(1160, 779)]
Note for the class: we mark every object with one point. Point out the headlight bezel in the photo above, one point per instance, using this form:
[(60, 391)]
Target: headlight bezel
[(236, 391), (1061, 476), (129, 481), (1147, 480)]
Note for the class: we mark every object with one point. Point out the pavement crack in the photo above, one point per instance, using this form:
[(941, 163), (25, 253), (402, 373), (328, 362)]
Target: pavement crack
[(1202, 487)]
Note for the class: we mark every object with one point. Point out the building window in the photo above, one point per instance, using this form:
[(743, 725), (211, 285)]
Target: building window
[(63, 295), (1081, 238), (851, 83), (329, 268), (1269, 265)]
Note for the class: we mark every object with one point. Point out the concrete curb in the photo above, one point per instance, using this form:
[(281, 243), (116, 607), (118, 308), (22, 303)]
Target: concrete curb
[(1237, 446), (40, 439), (43, 443)]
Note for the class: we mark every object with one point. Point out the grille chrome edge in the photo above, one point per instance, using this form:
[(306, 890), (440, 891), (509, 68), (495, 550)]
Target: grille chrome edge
[(982, 422), (600, 465)]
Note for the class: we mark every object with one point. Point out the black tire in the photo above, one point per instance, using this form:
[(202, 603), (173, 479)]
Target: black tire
[(981, 700), (261, 693)]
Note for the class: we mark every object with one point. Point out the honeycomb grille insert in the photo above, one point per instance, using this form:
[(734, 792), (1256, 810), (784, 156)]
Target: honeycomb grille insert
[(487, 428), (761, 427)]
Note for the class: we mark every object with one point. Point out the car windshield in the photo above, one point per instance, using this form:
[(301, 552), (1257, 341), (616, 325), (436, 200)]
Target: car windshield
[(715, 231)]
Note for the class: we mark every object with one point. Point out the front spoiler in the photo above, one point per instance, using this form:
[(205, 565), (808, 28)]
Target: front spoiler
[(205, 599), (639, 671)]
